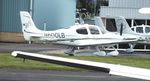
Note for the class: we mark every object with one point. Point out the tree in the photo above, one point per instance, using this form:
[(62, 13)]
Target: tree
[(87, 7)]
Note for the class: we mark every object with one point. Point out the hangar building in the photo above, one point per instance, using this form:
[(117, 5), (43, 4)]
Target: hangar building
[(54, 13), (128, 9)]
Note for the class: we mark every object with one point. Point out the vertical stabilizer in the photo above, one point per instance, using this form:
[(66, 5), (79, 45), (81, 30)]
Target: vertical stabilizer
[(27, 24), (122, 25), (99, 22)]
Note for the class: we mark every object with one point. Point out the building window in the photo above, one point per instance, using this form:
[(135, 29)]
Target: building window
[(129, 22), (148, 22), (111, 25), (139, 22), (147, 29), (104, 2)]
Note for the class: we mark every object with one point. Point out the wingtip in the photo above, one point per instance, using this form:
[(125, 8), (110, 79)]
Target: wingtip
[(14, 53)]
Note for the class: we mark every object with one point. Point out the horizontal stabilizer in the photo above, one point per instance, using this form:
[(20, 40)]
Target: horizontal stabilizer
[(113, 69)]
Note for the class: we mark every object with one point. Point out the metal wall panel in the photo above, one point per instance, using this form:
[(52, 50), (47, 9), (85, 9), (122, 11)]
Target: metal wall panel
[(0, 15), (129, 3), (127, 8), (128, 13), (56, 13), (10, 14)]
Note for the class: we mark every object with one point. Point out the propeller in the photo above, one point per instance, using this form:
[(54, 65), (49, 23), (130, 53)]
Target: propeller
[(121, 29)]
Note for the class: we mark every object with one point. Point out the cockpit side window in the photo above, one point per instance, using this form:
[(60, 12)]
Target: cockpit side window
[(93, 30), (82, 31), (139, 29), (147, 29)]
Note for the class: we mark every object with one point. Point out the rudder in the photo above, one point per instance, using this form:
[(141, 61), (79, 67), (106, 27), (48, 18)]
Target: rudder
[(28, 25), (27, 22), (99, 22)]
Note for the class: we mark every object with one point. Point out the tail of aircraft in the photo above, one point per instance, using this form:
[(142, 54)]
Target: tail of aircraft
[(99, 22), (122, 25), (28, 26)]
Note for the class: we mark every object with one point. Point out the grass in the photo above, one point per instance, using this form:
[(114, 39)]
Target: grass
[(8, 61), (123, 60)]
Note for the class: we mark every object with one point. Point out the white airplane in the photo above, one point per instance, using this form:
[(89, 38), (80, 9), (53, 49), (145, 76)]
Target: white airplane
[(74, 36), (143, 38), (122, 24), (112, 69), (99, 22), (143, 29)]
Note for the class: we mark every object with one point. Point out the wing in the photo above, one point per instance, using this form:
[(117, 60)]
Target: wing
[(113, 69), (93, 42)]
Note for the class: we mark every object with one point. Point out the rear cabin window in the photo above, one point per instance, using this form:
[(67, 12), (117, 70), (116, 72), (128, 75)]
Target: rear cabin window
[(93, 30), (139, 29), (147, 29), (82, 31)]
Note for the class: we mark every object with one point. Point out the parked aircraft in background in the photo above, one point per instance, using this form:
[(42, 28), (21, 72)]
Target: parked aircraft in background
[(99, 22), (143, 38), (146, 28), (73, 36), (143, 29), (112, 69), (122, 24)]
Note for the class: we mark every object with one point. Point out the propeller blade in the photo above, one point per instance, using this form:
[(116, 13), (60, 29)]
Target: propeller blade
[(121, 29)]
